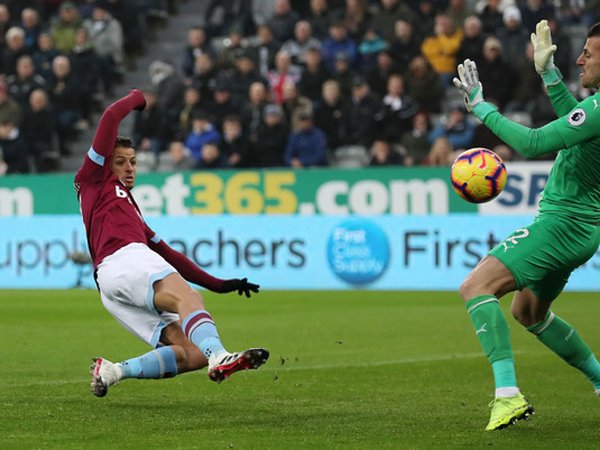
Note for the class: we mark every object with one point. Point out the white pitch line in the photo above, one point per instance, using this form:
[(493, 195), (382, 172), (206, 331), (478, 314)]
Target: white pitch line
[(291, 367)]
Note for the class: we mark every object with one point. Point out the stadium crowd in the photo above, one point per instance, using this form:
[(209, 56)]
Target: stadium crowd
[(273, 83)]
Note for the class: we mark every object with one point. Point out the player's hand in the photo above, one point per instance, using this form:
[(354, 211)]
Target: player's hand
[(543, 49), (140, 94), (241, 285), (468, 83)]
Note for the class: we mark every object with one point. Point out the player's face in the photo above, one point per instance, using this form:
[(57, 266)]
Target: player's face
[(589, 63), (123, 165)]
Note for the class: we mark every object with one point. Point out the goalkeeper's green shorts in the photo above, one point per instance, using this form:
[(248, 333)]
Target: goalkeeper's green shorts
[(542, 255)]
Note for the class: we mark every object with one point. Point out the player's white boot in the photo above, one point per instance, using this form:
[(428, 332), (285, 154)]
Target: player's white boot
[(224, 365), (104, 374)]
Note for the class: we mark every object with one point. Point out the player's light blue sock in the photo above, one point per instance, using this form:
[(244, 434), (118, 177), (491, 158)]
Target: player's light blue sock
[(200, 328), (158, 363), (564, 340), (493, 334)]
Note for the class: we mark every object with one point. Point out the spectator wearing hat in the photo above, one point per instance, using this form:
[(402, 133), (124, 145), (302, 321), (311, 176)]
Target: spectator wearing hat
[(307, 144), (405, 45), (441, 48), (63, 28), (331, 114), (364, 113), (197, 44), (106, 35), (513, 36), (299, 45), (313, 76), (271, 139), (338, 42), (243, 75), (496, 74), (471, 46), (9, 108), (424, 85), (343, 73), (202, 131), (223, 102)]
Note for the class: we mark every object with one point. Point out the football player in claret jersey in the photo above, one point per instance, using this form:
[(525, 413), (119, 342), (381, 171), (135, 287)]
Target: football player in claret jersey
[(537, 260), (142, 281)]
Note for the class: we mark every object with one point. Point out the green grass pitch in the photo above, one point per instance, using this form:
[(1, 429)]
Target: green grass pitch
[(362, 370)]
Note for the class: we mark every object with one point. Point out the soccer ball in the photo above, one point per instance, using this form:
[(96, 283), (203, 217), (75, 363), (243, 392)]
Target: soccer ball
[(478, 175)]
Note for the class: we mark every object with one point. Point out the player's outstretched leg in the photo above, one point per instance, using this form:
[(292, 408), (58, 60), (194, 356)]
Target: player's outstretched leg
[(224, 365), (508, 410), (104, 374)]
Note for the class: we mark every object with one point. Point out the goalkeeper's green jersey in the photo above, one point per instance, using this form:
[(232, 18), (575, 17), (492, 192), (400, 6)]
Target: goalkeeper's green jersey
[(573, 186)]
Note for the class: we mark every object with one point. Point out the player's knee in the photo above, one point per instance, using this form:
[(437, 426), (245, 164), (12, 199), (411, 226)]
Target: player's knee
[(523, 316)]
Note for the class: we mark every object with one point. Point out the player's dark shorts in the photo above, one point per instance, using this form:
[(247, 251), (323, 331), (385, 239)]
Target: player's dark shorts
[(542, 255)]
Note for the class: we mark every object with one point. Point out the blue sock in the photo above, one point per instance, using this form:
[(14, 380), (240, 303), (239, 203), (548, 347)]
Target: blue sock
[(201, 330), (159, 363)]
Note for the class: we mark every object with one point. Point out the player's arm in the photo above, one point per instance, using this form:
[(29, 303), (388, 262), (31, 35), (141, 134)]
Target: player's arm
[(567, 131), (194, 274), (105, 137), (561, 98)]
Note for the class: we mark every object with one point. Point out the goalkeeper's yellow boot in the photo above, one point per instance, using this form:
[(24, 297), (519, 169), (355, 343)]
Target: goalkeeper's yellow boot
[(507, 410)]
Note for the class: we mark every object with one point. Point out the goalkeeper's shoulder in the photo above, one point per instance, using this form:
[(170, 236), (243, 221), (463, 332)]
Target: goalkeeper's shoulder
[(586, 113)]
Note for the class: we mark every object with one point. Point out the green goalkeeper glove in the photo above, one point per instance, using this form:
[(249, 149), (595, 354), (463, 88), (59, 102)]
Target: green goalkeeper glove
[(543, 54), (469, 84)]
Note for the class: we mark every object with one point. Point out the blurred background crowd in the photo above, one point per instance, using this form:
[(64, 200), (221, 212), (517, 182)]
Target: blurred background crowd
[(276, 83)]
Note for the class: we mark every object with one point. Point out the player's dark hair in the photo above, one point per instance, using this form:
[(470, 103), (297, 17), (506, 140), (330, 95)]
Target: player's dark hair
[(594, 30), (123, 141)]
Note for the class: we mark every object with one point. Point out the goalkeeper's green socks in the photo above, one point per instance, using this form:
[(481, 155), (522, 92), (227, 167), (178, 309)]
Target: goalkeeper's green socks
[(492, 331), (563, 339)]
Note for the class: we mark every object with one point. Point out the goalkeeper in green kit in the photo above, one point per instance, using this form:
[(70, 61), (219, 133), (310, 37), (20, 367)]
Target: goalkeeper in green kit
[(536, 261)]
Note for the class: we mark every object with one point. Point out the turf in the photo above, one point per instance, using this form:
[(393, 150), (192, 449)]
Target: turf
[(347, 370)]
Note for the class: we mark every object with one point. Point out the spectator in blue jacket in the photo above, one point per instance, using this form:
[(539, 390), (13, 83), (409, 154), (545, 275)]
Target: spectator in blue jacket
[(203, 131), (338, 42), (457, 129), (307, 145)]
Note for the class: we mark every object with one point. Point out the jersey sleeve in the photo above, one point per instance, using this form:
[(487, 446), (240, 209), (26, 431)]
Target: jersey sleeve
[(98, 156), (575, 127), (561, 98)]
